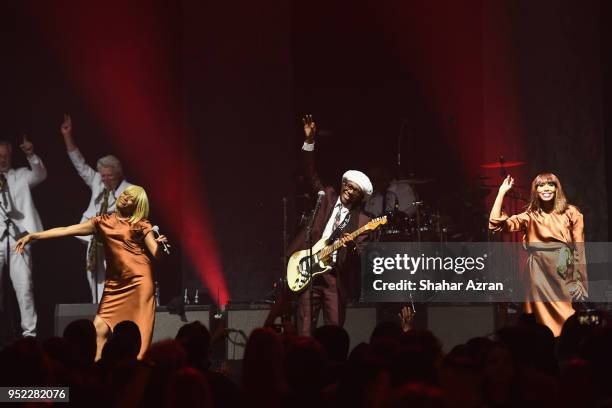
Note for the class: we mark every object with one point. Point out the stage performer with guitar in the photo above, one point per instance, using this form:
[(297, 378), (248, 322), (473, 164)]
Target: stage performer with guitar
[(338, 215)]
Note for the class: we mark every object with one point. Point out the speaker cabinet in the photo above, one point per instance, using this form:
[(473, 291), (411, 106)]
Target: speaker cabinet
[(243, 319), (359, 323), (66, 313), (166, 324), (455, 324)]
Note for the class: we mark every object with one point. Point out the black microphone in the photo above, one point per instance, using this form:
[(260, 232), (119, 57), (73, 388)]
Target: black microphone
[(313, 214), (163, 244)]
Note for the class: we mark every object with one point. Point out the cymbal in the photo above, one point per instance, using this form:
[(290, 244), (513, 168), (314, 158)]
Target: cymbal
[(502, 164), (488, 186), (415, 180)]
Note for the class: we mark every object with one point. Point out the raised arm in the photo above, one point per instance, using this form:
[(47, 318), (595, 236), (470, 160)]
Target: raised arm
[(37, 173), (66, 129), (85, 171), (498, 221), (496, 211), (308, 161), (85, 228)]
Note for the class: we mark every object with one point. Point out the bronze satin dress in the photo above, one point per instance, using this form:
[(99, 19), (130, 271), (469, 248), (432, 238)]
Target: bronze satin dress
[(548, 238), (128, 288)]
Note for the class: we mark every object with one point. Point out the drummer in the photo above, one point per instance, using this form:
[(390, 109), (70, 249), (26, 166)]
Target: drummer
[(379, 202), (401, 197)]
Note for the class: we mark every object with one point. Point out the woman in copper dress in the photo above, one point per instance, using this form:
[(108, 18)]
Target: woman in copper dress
[(128, 288), (554, 238)]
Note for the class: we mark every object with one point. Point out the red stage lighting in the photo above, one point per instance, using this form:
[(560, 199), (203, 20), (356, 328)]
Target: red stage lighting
[(123, 61)]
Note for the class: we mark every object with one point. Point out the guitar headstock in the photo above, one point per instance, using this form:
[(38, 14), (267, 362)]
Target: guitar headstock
[(376, 222)]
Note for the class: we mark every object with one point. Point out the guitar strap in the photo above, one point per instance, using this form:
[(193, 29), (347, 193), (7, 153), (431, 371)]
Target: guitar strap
[(338, 231)]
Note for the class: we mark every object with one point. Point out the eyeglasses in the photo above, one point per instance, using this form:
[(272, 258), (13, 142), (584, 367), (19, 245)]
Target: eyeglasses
[(351, 188)]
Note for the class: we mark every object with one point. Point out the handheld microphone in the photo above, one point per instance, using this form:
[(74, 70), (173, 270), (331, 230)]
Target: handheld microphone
[(163, 244)]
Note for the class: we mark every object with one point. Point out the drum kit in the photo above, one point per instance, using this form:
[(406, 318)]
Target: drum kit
[(411, 219)]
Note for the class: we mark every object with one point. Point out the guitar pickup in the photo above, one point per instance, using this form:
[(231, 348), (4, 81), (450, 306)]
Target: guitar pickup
[(303, 266)]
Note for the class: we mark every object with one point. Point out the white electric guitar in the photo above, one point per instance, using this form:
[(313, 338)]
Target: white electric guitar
[(298, 271)]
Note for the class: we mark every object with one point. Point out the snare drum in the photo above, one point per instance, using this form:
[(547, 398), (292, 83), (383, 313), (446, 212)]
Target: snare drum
[(397, 228)]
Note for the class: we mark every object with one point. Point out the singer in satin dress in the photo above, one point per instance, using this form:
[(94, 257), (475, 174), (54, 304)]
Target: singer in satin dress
[(128, 287), (554, 239), (128, 244)]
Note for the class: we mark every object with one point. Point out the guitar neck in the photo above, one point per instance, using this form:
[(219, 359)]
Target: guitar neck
[(330, 249)]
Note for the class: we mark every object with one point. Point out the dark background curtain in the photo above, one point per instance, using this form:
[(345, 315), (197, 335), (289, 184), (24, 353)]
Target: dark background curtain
[(457, 84)]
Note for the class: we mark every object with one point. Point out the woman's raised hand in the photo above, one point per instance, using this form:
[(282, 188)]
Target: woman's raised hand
[(506, 185)]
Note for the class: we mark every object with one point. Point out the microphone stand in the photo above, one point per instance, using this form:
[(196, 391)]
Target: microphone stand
[(6, 235), (309, 244), (284, 235), (400, 136), (281, 294)]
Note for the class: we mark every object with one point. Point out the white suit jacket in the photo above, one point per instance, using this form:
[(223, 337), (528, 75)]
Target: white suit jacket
[(22, 211), (93, 179)]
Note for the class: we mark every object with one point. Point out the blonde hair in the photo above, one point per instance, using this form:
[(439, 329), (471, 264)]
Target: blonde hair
[(141, 202)]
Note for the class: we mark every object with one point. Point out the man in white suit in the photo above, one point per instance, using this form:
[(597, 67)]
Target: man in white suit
[(18, 217), (106, 184)]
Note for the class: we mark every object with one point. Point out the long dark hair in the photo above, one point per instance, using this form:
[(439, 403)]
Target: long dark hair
[(534, 200)]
